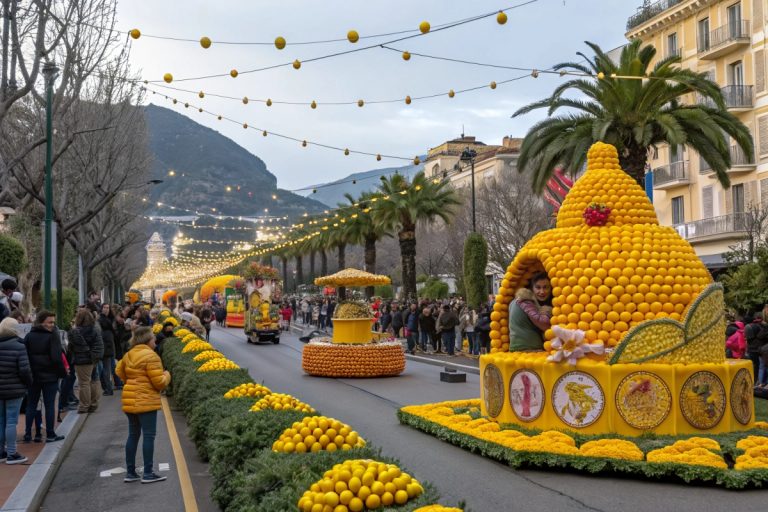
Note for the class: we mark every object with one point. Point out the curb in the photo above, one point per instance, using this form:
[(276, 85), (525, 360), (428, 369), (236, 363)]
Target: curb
[(29, 493), (445, 364)]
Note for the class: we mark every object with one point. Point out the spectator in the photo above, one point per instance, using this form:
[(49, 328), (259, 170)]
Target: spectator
[(446, 326), (122, 335), (166, 333), (107, 325), (15, 378), (220, 312), (142, 371), (469, 319), (8, 287), (397, 320), (331, 309), (323, 314), (206, 319), (285, 317), (46, 359), (305, 311), (426, 328), (87, 350), (756, 334), (411, 322), (386, 319), (736, 342)]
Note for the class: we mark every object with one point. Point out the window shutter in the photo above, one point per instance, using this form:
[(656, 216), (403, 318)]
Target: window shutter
[(764, 191), (728, 201), (750, 195), (759, 69), (707, 206), (762, 127), (757, 14)]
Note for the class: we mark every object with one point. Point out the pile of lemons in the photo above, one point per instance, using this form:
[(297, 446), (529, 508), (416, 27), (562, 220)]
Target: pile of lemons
[(317, 433)]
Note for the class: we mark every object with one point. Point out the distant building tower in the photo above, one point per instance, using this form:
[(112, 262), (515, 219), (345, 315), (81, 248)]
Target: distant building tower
[(156, 253)]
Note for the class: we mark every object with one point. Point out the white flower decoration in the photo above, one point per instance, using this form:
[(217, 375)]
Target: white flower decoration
[(569, 345)]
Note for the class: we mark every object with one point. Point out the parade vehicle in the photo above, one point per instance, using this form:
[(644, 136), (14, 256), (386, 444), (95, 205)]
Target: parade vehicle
[(262, 315)]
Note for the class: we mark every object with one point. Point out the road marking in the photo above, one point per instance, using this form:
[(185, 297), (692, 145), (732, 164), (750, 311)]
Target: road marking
[(163, 466), (187, 491), (109, 472)]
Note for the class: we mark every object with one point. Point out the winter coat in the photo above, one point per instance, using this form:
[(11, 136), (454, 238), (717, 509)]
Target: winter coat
[(483, 327), (526, 323), (736, 342), (755, 334), (107, 335), (15, 372), (331, 309), (44, 353), (86, 343), (142, 371), (397, 320), (447, 321), (427, 322), (411, 320), (122, 335)]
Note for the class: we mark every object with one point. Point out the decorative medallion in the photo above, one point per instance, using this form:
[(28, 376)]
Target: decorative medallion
[(741, 396), (493, 385), (526, 395), (643, 400), (578, 399), (702, 400)]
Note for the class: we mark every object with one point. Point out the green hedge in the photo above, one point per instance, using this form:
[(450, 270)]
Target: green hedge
[(247, 475)]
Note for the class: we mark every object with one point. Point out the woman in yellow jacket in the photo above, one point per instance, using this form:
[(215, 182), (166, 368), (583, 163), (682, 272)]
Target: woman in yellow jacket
[(142, 372)]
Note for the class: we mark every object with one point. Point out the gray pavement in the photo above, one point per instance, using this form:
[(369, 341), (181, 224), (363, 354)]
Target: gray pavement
[(369, 405), (82, 483)]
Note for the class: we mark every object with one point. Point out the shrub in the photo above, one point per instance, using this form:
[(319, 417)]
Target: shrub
[(205, 417), (69, 300), (475, 261), (435, 289), (12, 260)]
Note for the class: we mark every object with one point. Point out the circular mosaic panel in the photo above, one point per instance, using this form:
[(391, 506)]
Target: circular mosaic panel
[(741, 396), (643, 400), (526, 395), (702, 400), (578, 399), (493, 386)]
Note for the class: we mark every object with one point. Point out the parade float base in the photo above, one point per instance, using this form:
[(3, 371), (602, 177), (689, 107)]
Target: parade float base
[(593, 397), (732, 460), (326, 359), (235, 320)]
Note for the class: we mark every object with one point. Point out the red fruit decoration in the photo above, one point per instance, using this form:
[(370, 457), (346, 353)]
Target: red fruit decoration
[(596, 214)]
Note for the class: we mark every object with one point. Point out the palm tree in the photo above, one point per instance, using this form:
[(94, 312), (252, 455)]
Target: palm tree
[(404, 204), (633, 114), (361, 230)]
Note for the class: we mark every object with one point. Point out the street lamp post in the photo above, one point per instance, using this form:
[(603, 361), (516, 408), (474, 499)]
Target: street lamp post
[(49, 73), (468, 155)]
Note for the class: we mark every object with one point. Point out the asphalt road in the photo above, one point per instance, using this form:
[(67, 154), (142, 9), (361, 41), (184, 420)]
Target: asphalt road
[(370, 405)]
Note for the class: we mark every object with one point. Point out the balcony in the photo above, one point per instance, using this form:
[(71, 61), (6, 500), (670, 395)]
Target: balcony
[(672, 175), (725, 227), (648, 11), (725, 39), (740, 163), (738, 98), (674, 52)]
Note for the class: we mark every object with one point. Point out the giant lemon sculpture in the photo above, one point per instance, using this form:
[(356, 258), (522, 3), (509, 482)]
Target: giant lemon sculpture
[(633, 293)]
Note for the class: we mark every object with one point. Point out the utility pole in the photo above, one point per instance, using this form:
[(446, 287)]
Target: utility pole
[(468, 155), (50, 71)]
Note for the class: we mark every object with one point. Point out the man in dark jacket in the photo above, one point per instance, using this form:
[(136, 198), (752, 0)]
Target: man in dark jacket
[(426, 327), (446, 325), (15, 378), (45, 358), (87, 352), (107, 325), (411, 322), (397, 320)]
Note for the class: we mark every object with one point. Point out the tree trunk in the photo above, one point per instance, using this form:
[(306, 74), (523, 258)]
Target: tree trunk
[(342, 292), (284, 261), (370, 262), (634, 161), (323, 263), (312, 267), (407, 239), (299, 270)]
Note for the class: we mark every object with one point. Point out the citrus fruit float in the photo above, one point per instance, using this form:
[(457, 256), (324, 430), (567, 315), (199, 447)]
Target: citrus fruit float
[(352, 351), (637, 342)]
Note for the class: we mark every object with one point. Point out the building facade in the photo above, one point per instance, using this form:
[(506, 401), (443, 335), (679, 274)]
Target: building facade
[(490, 161), (727, 40)]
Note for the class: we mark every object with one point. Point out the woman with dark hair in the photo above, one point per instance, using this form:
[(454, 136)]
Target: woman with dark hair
[(530, 315), (87, 349), (107, 324)]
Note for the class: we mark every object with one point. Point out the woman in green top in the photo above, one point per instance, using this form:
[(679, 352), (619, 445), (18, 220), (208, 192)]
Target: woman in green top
[(530, 314)]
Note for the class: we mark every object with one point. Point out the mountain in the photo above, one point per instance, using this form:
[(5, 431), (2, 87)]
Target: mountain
[(333, 192), (204, 163)]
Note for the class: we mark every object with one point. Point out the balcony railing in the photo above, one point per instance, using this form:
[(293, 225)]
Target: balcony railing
[(674, 172), (674, 52), (649, 10), (704, 167), (738, 96), (739, 158), (736, 31), (731, 224)]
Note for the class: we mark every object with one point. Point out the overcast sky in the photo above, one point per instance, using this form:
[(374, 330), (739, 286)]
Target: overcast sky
[(536, 36)]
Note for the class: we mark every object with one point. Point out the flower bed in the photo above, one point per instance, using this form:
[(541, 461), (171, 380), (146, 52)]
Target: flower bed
[(238, 441), (732, 460)]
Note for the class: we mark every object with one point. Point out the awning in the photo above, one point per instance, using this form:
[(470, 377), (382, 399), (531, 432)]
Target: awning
[(714, 261)]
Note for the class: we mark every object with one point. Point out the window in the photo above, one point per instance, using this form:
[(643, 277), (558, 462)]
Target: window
[(678, 215), (707, 206), (704, 35), (672, 48), (736, 73), (676, 153), (737, 192), (734, 21)]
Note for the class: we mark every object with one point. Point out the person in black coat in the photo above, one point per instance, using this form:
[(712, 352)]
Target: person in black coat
[(426, 328), (397, 320), (87, 352), (122, 337), (15, 379), (107, 324), (45, 358), (483, 330)]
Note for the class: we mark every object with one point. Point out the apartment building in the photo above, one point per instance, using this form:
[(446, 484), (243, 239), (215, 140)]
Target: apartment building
[(490, 161), (727, 40)]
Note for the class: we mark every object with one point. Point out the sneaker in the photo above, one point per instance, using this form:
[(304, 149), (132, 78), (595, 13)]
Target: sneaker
[(131, 476), (16, 458), (38, 438), (27, 438), (150, 478), (54, 438)]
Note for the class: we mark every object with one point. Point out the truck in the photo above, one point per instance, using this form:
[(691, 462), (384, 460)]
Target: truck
[(262, 315)]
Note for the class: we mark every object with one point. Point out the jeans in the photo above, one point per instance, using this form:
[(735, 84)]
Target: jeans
[(90, 388), (424, 340), (9, 418), (474, 344), (115, 378), (413, 337), (48, 390), (449, 341), (138, 424), (321, 323), (66, 390), (459, 340), (105, 375)]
